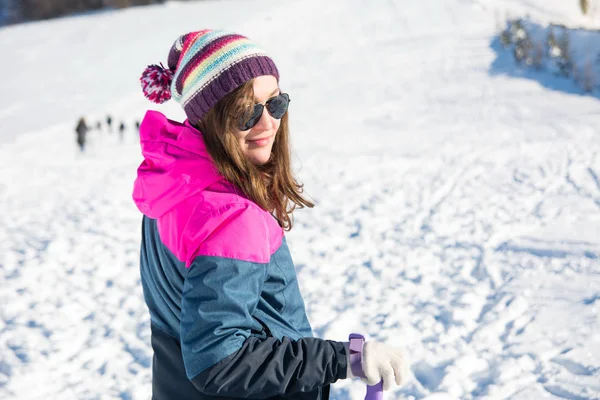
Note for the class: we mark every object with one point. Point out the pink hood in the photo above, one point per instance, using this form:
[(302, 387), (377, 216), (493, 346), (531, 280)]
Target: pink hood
[(176, 165), (198, 212)]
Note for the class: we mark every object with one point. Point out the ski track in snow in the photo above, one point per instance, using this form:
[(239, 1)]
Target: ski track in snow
[(458, 215)]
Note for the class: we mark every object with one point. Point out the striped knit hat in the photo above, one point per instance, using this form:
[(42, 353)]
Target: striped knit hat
[(203, 67)]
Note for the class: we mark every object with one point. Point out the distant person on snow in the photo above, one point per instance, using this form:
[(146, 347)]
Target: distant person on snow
[(109, 123), (81, 131), (227, 316), (121, 131), (98, 125), (137, 126)]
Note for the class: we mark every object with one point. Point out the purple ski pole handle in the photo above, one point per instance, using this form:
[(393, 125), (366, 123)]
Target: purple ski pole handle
[(375, 392)]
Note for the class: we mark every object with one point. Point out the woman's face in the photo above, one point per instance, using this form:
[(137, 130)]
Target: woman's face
[(257, 142)]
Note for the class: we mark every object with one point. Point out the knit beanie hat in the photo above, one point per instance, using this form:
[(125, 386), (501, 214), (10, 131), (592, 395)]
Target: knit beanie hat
[(203, 67)]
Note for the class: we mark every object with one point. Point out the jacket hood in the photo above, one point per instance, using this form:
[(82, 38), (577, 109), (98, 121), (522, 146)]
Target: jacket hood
[(176, 165)]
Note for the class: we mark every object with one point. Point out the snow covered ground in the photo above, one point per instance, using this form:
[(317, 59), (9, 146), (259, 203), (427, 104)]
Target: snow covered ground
[(458, 209)]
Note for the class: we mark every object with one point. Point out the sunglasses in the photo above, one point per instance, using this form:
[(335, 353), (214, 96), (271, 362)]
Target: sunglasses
[(276, 106)]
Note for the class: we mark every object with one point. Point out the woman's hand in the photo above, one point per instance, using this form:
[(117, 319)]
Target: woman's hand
[(382, 362)]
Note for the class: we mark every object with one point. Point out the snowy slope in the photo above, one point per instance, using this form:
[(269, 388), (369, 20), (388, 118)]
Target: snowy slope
[(567, 12), (458, 210)]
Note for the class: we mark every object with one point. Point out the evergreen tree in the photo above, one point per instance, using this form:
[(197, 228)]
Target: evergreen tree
[(552, 46), (44, 9), (564, 62), (588, 77), (523, 51), (517, 30), (20, 10), (523, 46), (538, 55), (505, 38)]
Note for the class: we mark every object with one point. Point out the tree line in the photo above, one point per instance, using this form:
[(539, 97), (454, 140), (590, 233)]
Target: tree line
[(14, 11)]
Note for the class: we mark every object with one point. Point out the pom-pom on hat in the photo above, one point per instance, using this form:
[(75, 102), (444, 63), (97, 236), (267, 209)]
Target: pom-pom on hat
[(204, 67), (156, 83)]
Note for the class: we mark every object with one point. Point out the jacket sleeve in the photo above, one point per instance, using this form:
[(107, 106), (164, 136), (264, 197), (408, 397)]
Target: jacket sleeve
[(271, 367), (221, 357)]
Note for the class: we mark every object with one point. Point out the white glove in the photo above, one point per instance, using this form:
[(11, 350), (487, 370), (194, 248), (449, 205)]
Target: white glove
[(380, 361)]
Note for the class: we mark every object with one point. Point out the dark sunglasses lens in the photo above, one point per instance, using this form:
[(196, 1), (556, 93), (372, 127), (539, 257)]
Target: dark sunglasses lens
[(278, 105), (248, 120)]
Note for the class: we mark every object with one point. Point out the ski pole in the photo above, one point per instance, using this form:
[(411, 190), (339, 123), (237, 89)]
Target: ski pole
[(357, 340), (375, 392)]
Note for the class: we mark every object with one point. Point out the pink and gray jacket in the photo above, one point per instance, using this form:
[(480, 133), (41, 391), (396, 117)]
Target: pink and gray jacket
[(227, 317)]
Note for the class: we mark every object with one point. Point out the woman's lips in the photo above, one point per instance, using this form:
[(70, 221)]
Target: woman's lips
[(260, 142)]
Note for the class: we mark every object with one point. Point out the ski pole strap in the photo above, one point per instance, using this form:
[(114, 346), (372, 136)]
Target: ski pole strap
[(357, 342)]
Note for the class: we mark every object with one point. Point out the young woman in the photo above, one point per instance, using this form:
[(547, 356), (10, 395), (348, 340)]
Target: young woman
[(217, 193)]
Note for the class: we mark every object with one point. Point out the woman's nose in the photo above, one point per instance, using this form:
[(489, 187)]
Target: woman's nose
[(266, 122)]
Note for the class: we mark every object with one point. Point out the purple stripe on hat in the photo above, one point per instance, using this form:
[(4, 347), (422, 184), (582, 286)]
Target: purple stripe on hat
[(207, 52), (175, 51), (233, 77)]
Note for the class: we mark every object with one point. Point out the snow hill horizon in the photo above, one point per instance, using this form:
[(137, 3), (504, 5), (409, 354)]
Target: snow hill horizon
[(458, 208)]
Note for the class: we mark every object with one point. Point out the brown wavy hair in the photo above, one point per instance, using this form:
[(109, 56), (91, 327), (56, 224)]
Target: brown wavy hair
[(272, 185)]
